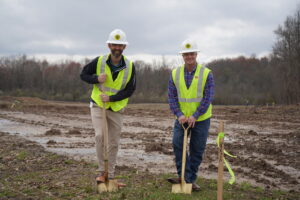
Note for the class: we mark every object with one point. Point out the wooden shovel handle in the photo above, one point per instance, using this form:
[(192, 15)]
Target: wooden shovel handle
[(183, 162), (105, 136)]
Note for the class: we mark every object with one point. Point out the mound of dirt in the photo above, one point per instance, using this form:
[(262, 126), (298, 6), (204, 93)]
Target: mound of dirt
[(51, 142), (159, 147), (4, 105), (53, 132), (251, 132), (153, 147), (73, 132)]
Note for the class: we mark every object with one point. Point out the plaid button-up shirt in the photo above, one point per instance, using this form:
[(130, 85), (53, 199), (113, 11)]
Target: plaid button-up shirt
[(207, 96)]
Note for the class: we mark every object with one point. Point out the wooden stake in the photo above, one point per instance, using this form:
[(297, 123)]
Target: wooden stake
[(221, 163)]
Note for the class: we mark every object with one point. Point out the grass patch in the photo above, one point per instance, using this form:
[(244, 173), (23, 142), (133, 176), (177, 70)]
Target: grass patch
[(7, 193), (21, 155), (245, 186), (259, 189), (68, 162)]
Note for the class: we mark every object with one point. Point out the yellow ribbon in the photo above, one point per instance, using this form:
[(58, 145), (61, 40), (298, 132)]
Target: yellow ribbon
[(232, 179)]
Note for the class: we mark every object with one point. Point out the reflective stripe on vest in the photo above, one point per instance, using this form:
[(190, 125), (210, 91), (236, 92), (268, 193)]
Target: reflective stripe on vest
[(199, 91), (102, 69)]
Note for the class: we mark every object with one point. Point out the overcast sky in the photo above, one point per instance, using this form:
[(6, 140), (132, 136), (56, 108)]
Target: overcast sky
[(154, 27)]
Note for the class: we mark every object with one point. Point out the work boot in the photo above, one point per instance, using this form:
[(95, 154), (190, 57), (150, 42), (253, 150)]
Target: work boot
[(174, 180), (101, 178), (195, 187)]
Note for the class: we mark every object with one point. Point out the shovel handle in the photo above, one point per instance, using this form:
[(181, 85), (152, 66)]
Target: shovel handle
[(187, 128), (184, 153), (105, 136)]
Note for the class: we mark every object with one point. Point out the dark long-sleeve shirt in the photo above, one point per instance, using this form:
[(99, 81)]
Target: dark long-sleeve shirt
[(88, 74), (207, 96)]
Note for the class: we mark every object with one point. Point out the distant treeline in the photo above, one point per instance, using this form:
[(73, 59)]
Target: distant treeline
[(241, 80), (238, 81)]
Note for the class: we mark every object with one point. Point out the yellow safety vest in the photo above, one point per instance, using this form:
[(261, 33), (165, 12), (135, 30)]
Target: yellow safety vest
[(111, 86), (189, 99)]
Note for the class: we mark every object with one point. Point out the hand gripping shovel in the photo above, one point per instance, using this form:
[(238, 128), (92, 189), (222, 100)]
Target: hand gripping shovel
[(108, 185), (183, 187)]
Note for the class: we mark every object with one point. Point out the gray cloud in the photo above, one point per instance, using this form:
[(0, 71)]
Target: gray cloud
[(152, 27)]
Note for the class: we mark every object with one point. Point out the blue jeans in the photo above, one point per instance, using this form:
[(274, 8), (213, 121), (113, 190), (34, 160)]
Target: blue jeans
[(198, 136)]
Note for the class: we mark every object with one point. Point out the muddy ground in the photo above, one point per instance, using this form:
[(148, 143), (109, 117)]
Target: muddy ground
[(265, 139)]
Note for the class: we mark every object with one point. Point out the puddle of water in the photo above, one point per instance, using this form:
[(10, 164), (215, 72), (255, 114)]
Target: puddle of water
[(52, 120), (20, 128), (125, 141)]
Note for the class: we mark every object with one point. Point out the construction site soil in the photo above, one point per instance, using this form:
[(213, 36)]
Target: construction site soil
[(265, 139)]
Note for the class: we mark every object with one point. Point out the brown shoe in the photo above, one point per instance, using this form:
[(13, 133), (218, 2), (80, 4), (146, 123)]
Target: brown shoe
[(100, 178), (195, 187), (174, 180)]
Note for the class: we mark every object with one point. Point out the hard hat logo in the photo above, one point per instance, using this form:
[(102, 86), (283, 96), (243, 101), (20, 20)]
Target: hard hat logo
[(188, 46), (117, 37)]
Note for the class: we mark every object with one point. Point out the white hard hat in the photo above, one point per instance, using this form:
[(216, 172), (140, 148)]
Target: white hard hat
[(117, 36), (189, 46)]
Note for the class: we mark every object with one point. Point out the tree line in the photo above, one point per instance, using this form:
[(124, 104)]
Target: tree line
[(241, 80)]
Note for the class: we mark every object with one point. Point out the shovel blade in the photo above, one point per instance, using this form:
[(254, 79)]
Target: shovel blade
[(102, 188), (108, 186), (185, 188)]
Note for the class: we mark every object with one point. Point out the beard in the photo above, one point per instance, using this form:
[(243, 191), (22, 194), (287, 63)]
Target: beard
[(116, 53)]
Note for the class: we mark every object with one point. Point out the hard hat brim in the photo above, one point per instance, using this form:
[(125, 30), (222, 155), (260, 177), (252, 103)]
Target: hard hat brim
[(114, 42), (189, 51)]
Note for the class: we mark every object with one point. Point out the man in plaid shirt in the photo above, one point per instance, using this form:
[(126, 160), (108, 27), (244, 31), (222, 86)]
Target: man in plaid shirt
[(190, 92)]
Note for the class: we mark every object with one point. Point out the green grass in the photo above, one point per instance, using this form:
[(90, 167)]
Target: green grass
[(21, 155), (68, 162), (7, 193), (259, 189), (245, 186), (145, 186)]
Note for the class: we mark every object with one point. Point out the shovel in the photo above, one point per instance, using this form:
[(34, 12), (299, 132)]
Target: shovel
[(183, 187), (108, 185)]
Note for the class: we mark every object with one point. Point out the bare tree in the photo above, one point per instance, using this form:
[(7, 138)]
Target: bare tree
[(287, 51)]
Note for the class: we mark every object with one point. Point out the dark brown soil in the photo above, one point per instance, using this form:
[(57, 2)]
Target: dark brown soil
[(53, 132)]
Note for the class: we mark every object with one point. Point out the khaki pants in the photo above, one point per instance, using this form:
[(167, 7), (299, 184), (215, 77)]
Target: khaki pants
[(114, 123)]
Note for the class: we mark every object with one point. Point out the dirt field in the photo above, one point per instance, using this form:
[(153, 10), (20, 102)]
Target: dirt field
[(265, 139)]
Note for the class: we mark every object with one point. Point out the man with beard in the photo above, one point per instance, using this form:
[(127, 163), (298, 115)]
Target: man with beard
[(116, 74), (190, 92)]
